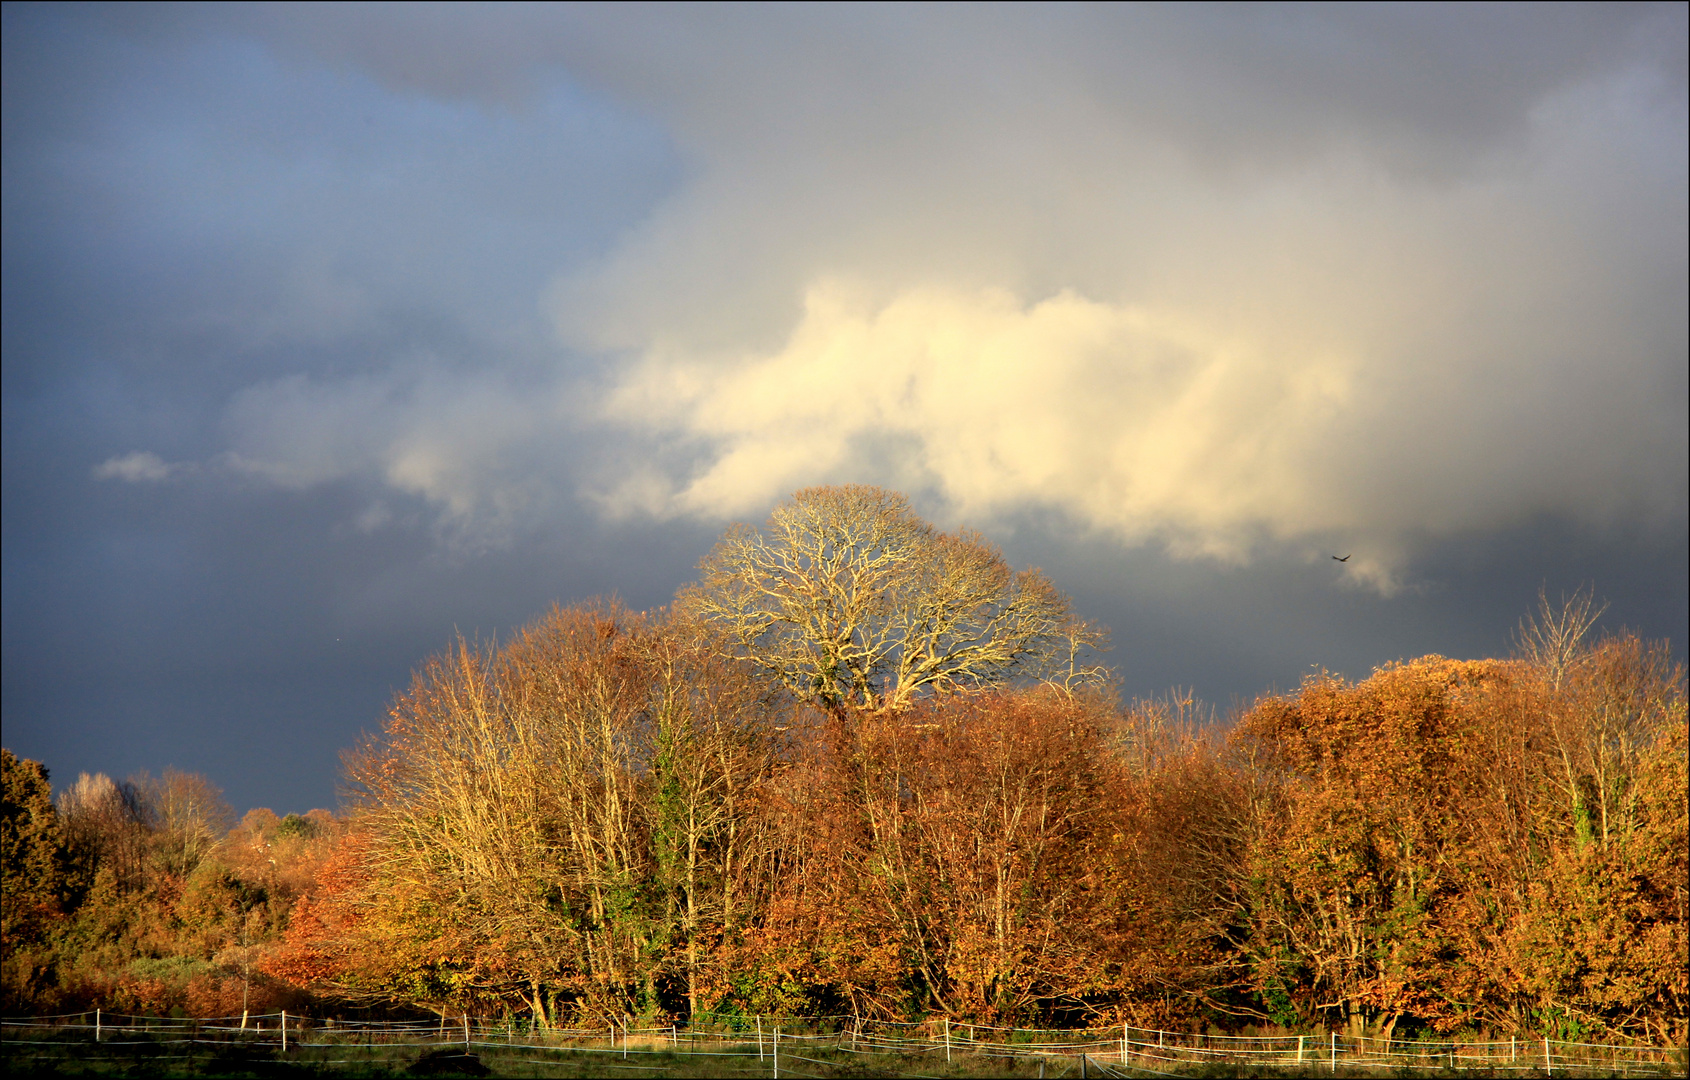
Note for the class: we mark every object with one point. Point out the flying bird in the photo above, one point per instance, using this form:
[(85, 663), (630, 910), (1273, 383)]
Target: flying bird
[(1346, 558)]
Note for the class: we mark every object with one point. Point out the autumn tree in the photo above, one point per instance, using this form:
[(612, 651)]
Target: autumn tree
[(1480, 843), (39, 877), (187, 816), (1357, 837), (108, 821), (957, 858), (1188, 816), (716, 735), (1598, 935), (33, 847), (563, 821), (134, 897), (620, 814), (853, 602), (985, 816)]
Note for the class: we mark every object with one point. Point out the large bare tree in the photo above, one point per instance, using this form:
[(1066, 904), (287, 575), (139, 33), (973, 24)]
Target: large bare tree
[(854, 602)]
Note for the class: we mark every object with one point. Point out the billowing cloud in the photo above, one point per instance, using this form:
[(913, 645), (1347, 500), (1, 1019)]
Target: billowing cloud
[(1221, 280), (1367, 321)]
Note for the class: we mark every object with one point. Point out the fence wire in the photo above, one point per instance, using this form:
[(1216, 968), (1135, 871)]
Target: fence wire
[(785, 1046)]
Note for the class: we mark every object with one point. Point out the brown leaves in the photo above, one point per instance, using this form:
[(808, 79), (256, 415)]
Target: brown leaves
[(1466, 842), (959, 841), (611, 814)]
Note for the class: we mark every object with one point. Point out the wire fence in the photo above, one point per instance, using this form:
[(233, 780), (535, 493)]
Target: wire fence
[(788, 1046)]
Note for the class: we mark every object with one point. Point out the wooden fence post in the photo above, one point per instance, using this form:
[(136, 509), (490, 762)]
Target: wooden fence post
[(1548, 1062), (947, 1040), (466, 1033), (96, 1025), (759, 1038), (284, 1031)]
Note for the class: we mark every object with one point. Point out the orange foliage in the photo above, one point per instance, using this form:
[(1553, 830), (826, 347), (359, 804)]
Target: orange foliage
[(611, 818)]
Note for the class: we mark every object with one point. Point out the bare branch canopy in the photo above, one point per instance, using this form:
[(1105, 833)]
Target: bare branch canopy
[(853, 601)]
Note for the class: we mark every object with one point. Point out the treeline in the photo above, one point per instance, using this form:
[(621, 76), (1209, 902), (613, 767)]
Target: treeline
[(144, 896), (599, 820), (862, 767)]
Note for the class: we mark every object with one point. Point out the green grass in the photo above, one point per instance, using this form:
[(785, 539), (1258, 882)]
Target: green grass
[(334, 1053), (159, 1058)]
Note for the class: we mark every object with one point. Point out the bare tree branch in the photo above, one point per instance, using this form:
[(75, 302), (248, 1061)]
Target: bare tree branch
[(854, 602)]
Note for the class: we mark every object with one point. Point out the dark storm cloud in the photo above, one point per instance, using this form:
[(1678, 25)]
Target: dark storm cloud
[(329, 330), (194, 225)]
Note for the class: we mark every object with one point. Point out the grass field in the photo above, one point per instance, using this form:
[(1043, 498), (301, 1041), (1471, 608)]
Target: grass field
[(155, 1047), (146, 1057)]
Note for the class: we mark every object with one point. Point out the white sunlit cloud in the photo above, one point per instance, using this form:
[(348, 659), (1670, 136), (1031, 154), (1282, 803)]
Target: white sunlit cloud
[(1309, 357)]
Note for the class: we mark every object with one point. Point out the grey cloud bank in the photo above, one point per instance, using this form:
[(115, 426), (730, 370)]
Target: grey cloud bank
[(329, 331)]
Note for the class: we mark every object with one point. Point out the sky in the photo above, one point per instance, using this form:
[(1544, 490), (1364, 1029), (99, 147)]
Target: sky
[(332, 332)]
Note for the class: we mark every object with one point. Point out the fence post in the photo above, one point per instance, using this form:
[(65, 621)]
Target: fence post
[(1300, 1039), (1548, 1062), (777, 1053), (284, 1031), (1334, 1053), (948, 1040), (1126, 1037), (466, 1033), (759, 1038)]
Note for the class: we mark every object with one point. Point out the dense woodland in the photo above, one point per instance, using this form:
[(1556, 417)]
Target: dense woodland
[(863, 767)]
